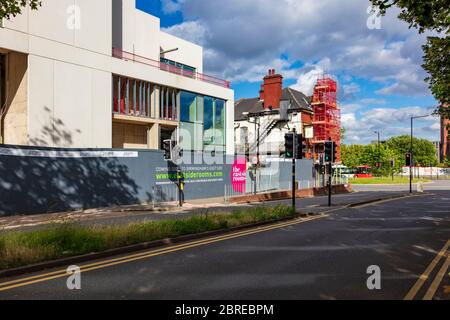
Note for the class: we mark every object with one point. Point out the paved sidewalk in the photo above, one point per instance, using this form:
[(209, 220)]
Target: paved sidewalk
[(142, 213)]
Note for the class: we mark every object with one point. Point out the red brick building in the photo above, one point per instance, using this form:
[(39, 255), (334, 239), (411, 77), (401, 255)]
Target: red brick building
[(445, 139)]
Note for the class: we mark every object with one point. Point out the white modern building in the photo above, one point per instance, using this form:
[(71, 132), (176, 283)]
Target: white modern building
[(102, 74)]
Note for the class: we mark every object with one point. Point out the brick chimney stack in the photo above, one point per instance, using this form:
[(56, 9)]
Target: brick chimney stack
[(261, 93), (271, 90)]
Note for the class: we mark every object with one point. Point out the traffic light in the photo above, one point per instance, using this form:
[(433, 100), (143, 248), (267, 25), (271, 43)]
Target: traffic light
[(304, 148), (289, 145), (168, 147), (329, 152), (300, 147), (335, 152), (408, 159)]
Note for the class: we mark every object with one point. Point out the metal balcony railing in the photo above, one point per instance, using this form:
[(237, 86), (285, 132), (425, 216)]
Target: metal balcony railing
[(120, 54)]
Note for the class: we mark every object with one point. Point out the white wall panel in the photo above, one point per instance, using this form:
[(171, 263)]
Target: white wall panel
[(188, 53), (95, 32), (50, 21), (72, 111), (40, 101), (101, 110), (18, 23), (146, 35)]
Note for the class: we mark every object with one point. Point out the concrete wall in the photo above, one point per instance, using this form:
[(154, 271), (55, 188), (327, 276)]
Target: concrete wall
[(81, 23), (69, 105), (135, 31), (15, 124), (188, 53)]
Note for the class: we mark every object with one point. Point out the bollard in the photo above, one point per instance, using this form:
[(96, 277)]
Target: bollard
[(419, 187)]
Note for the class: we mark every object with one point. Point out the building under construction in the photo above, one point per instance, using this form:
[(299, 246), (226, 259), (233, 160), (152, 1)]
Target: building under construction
[(327, 116)]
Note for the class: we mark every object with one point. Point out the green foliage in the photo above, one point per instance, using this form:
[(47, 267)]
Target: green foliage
[(12, 8), (432, 15), (27, 247), (423, 15), (351, 155), (437, 64), (424, 151), (394, 149)]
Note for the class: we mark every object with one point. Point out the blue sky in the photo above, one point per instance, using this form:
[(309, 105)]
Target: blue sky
[(378, 65)]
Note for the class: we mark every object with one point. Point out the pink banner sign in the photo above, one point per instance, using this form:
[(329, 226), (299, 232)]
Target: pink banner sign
[(239, 175)]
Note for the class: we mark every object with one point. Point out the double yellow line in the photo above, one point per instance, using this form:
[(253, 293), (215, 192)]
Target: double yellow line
[(144, 255), (429, 295)]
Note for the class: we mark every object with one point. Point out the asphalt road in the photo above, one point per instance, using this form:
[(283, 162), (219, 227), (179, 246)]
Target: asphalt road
[(431, 186), (325, 258), (305, 205)]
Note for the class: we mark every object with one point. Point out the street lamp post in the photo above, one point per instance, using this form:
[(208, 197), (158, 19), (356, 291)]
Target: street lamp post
[(411, 151), (257, 124), (378, 147)]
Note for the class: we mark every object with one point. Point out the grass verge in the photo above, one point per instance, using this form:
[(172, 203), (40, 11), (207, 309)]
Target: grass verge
[(385, 180), (67, 240)]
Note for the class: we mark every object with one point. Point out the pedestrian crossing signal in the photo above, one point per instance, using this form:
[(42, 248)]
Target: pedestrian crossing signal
[(329, 151), (408, 159), (289, 146)]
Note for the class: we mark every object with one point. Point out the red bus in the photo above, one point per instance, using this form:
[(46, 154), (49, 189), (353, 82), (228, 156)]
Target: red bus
[(364, 172)]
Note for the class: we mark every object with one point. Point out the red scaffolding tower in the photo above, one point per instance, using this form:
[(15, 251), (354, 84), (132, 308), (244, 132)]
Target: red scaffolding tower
[(327, 116)]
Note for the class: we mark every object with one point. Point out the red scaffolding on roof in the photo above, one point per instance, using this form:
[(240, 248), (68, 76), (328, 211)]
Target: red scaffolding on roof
[(327, 116)]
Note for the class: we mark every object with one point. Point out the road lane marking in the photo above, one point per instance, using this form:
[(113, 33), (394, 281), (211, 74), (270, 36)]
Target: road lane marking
[(107, 263), (389, 200), (424, 277), (437, 281)]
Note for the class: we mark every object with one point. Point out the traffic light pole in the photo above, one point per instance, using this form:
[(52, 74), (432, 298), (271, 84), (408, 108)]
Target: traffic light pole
[(330, 180), (411, 159), (294, 207), (330, 155)]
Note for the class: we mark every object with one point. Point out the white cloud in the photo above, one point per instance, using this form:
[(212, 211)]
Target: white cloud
[(349, 91), (307, 81), (244, 37), (193, 31), (389, 121), (350, 108), (171, 6), (373, 101)]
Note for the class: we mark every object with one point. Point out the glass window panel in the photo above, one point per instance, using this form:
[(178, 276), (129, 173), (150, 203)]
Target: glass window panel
[(191, 134), (115, 93), (188, 106), (138, 97), (130, 96), (208, 120), (219, 122), (149, 100), (161, 104)]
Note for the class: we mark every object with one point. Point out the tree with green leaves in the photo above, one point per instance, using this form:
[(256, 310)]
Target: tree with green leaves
[(424, 151), (394, 149), (383, 155), (429, 15), (351, 155), (11, 8)]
